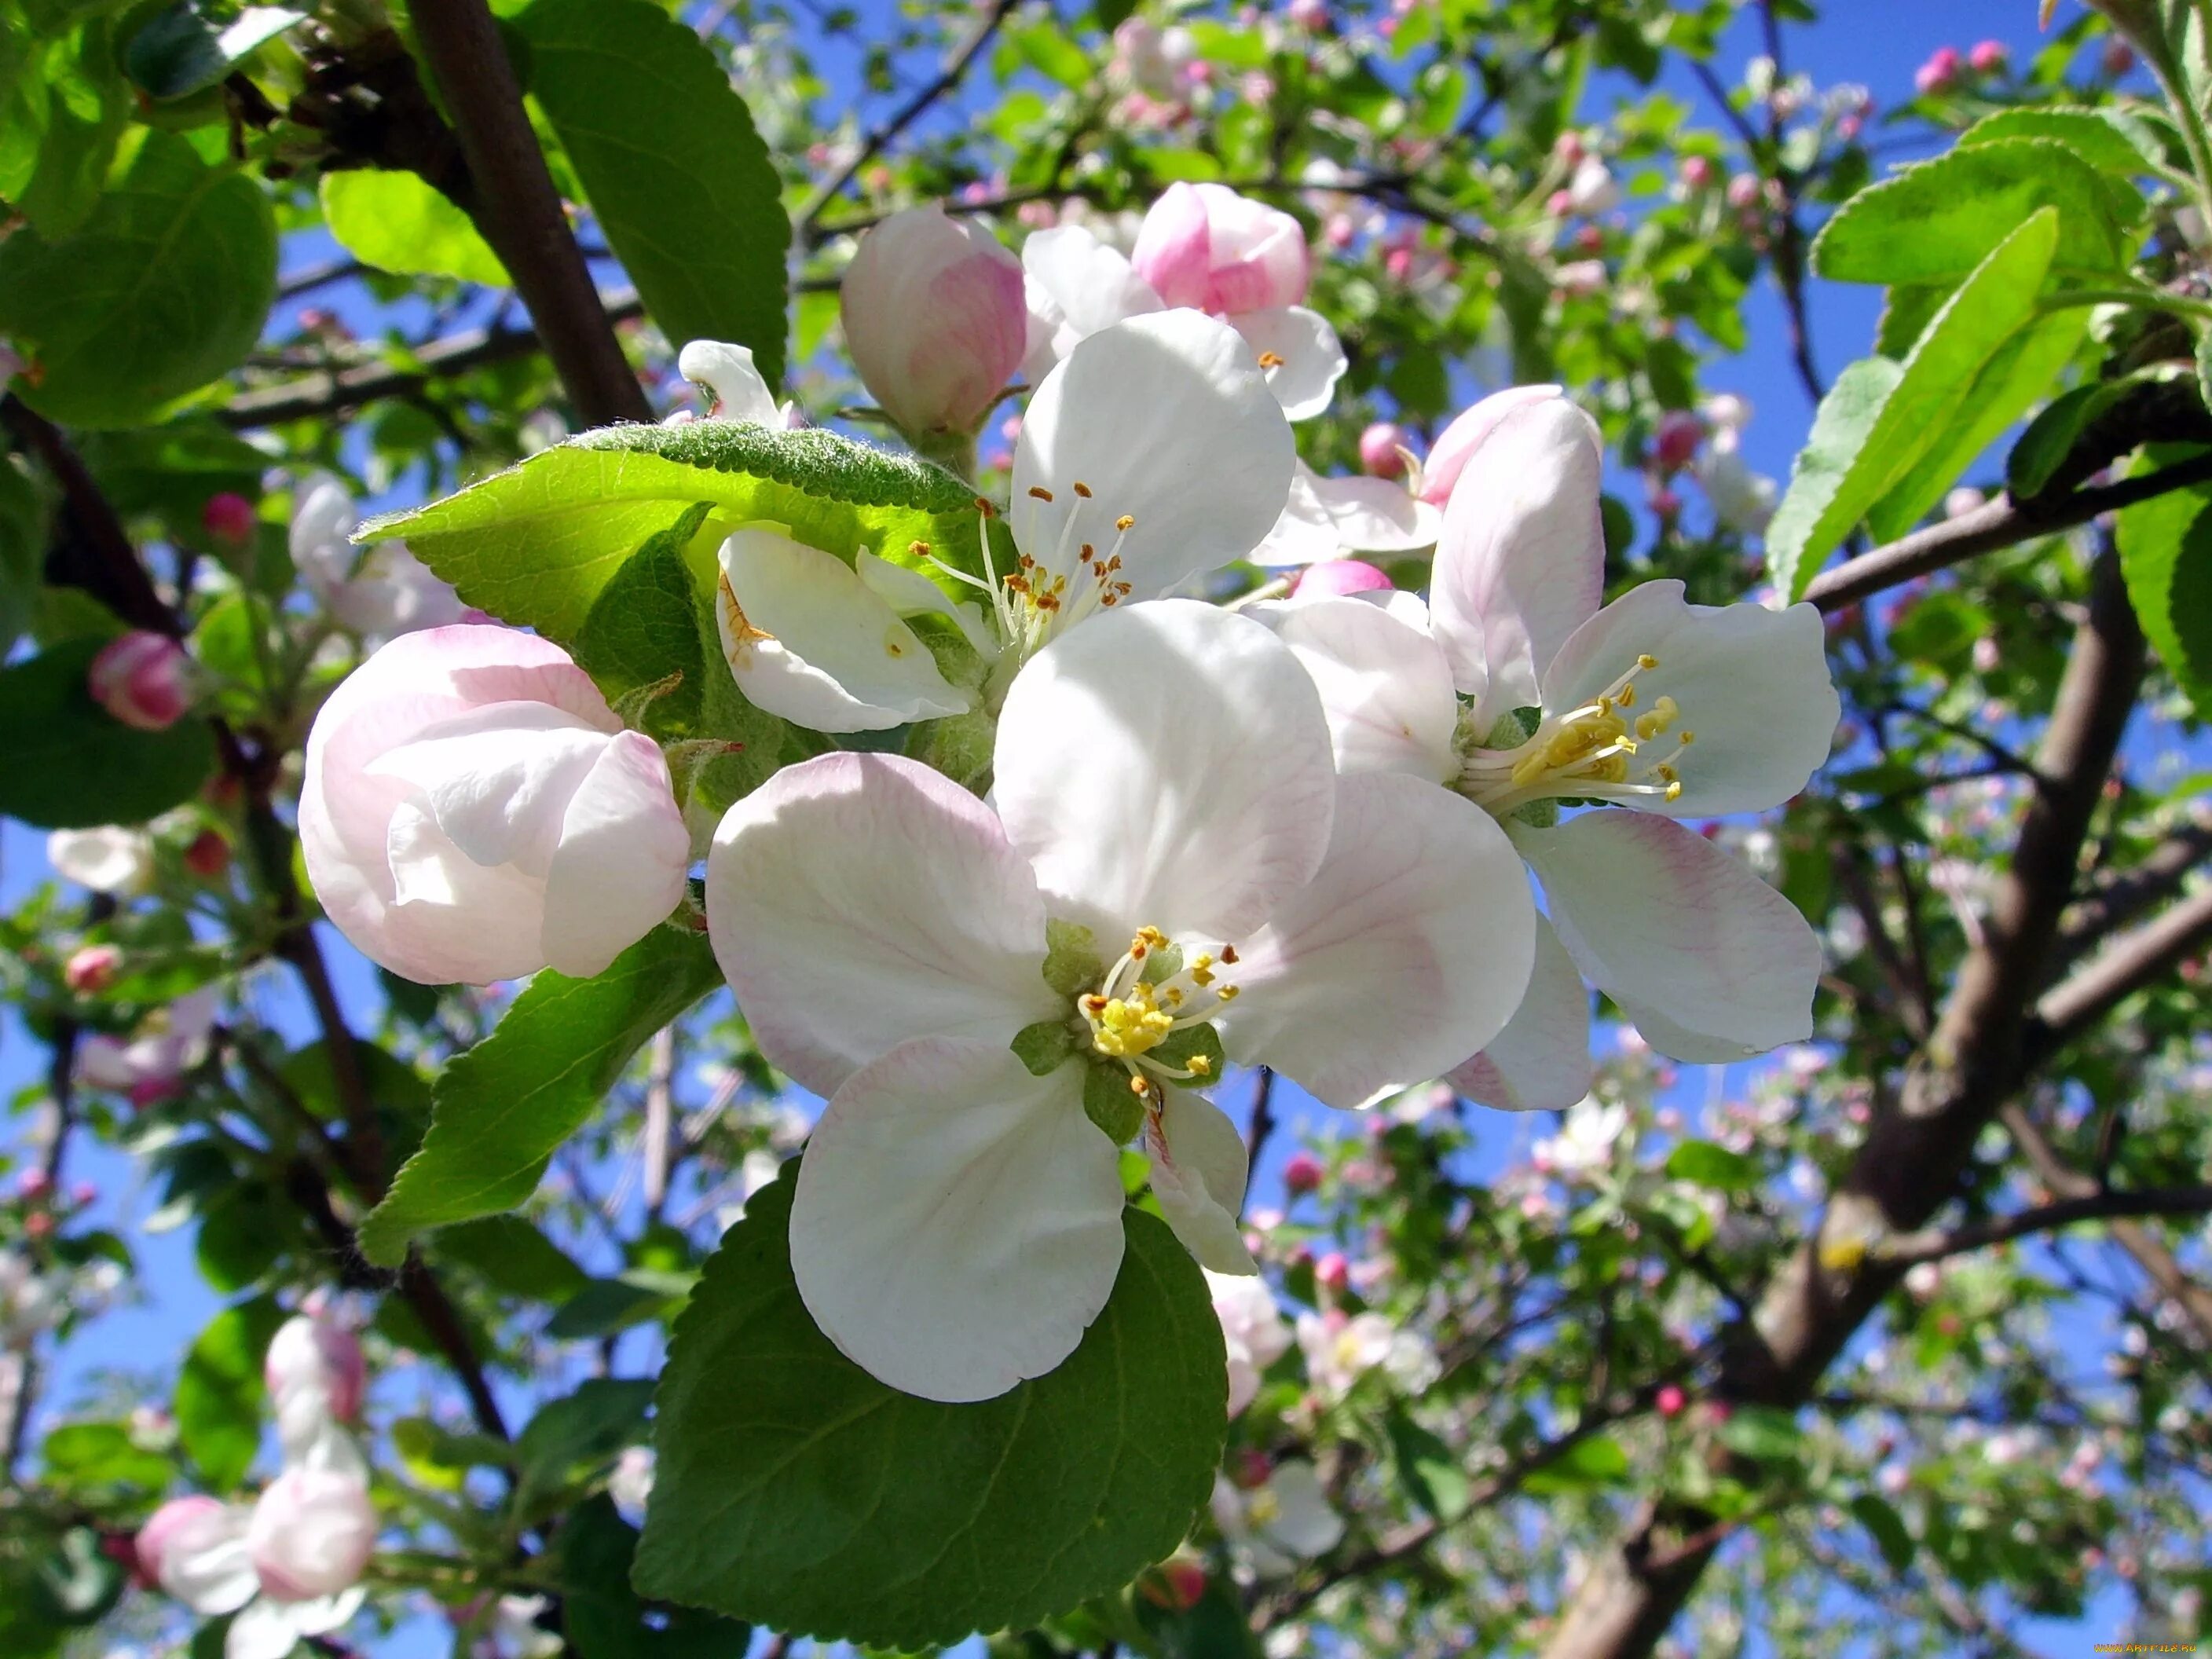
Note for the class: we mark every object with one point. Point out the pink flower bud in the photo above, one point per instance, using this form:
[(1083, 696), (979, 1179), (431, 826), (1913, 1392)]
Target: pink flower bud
[(39, 1224), (1182, 1581), (935, 318), (1382, 450), (473, 811), (1558, 203), (1302, 1172), (1670, 1401), (209, 854), (1333, 1272), (1988, 56), (230, 520), (313, 1353), (1939, 74), (181, 1526), (35, 1184), (2119, 57), (91, 969), (1339, 231), (1337, 577), (144, 679), (1569, 147), (1743, 191), (1696, 171), (312, 1534), (83, 1193), (1253, 1468), (1676, 442), (1666, 504), (1206, 247)]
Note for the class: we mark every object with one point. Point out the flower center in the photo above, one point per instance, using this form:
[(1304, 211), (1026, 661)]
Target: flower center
[(1039, 596), (1146, 999), (1596, 752)]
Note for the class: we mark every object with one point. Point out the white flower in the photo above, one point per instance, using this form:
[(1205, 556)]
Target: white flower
[(1651, 703), (734, 388), (1412, 1362), (631, 1484), (1340, 1350), (1163, 779), (1152, 453), (108, 859), (1285, 1519), (377, 592), (1328, 517), (1583, 1147), (1741, 500), (1203, 247), (1592, 191), (1252, 1327), (169, 1042)]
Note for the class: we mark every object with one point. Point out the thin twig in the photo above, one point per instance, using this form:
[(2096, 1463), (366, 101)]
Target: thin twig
[(1935, 1244)]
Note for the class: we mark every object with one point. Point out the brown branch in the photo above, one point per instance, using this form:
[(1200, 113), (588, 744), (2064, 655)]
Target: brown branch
[(2121, 898), (2001, 523), (1978, 1055), (1263, 1117), (519, 211), (956, 67), (114, 574), (2125, 966), (1935, 1244)]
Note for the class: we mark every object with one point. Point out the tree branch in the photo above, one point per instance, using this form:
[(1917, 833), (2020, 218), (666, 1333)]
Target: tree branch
[(519, 211), (2123, 897), (1935, 1244), (2001, 523)]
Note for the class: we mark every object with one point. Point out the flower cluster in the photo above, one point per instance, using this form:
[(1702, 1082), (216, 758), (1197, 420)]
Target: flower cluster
[(1295, 832)]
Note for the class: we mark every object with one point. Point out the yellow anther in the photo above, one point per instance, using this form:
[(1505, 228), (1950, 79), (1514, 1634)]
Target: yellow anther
[(1039, 493), (1138, 1087), (1647, 662), (1687, 738), (1271, 360), (1673, 789), (1124, 521), (920, 549), (1227, 994), (1082, 490), (1627, 698), (1202, 1066)]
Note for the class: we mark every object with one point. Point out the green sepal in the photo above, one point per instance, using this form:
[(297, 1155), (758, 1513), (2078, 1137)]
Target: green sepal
[(1071, 963), (1513, 727), (1045, 1046), (1200, 1042), (1111, 1104), (1163, 964), (630, 706), (1538, 814)]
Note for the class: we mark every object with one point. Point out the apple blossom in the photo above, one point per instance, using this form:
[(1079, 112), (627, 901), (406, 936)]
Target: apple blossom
[(144, 679), (1252, 1329), (472, 811), (91, 969), (1151, 453), (107, 859), (149, 1063), (1327, 518), (1449, 454), (1709, 961), (315, 1366), (631, 1484), (1382, 450), (195, 1548), (288, 1567), (1203, 247), (1583, 1147), (1591, 191), (1338, 576), (1340, 1349), (935, 319), (947, 973), (230, 520), (1302, 1173), (1284, 1519), (378, 593)]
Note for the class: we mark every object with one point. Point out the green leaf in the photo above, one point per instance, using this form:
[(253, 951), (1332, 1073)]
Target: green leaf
[(1597, 1461), (678, 180), (1887, 1529), (1884, 418), (2017, 375), (535, 544), (644, 627), (573, 1436), (1045, 47), (219, 1391), (87, 1458), (2052, 437), (603, 1615), (396, 222), (1431, 1471), (59, 125), (1708, 1164), (178, 51), (601, 1307), (66, 764), (164, 287), (798, 1491), (1937, 221), (512, 1256), (2166, 555), (1765, 1432), (500, 1109), (2107, 139)]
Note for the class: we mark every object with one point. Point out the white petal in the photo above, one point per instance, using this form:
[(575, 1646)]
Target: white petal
[(1521, 562), (1677, 931), (1167, 421), (207, 1563), (454, 919), (1384, 683), (958, 1222), (1752, 683), (856, 900), (325, 1613), (263, 1631), (1077, 285), (1410, 949), (809, 640), (1309, 359), (1166, 766), (622, 862), (1199, 1170), (498, 779), (1542, 1061), (734, 388), (1328, 518), (911, 593), (1304, 1524)]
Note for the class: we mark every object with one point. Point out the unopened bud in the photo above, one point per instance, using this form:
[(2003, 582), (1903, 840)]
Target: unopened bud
[(1988, 56), (936, 319), (209, 856), (1382, 450), (313, 1353), (230, 521), (1333, 1272), (1302, 1173), (144, 679), (1939, 74), (312, 1534), (1336, 577), (1670, 1401), (91, 969), (1675, 443)]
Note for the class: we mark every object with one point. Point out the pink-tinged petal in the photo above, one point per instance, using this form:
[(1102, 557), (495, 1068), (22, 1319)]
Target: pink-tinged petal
[(1300, 354), (1198, 1171), (265, 1629), (1542, 1061), (957, 1224), (1326, 518), (1458, 442), (1753, 685), (496, 779), (1076, 285), (934, 317), (1384, 684), (1409, 950), (1166, 766), (195, 1549), (1167, 422), (856, 900), (1338, 579), (1698, 952), (451, 921), (1174, 252), (622, 861), (1521, 562)]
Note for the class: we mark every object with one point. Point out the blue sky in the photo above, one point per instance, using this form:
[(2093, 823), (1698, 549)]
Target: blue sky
[(1877, 42)]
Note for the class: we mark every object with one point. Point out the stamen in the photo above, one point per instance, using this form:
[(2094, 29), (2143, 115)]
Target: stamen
[(1082, 490), (1039, 493), (1270, 360)]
